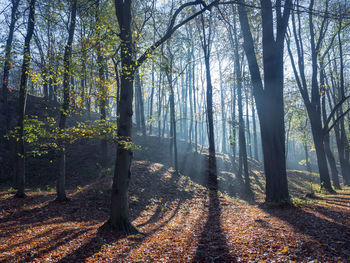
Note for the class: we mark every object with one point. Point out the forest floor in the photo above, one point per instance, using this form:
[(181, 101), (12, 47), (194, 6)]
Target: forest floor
[(179, 219)]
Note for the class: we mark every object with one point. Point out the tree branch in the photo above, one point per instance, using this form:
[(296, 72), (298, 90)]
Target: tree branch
[(335, 122), (171, 29), (334, 111)]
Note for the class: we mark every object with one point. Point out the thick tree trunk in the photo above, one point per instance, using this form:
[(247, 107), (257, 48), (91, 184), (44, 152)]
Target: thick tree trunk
[(269, 97), (272, 137), (119, 216)]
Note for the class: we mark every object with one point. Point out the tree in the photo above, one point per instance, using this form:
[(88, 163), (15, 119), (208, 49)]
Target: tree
[(169, 63), (7, 64), (20, 151), (61, 179), (313, 106), (269, 95), (119, 215), (206, 42), (243, 160)]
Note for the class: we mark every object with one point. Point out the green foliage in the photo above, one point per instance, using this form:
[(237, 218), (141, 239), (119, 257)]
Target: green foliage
[(50, 188), (42, 135)]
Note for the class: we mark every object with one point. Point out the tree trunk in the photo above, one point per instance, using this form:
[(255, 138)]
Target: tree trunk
[(20, 153), (150, 115), (119, 216), (101, 84), (269, 97), (173, 144), (255, 136), (329, 154), (61, 180), (139, 98), (7, 64)]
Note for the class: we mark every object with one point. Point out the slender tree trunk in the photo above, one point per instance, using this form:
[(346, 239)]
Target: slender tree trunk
[(343, 137), (206, 36), (61, 179), (101, 84), (20, 153), (249, 141), (7, 64), (243, 160), (255, 136), (159, 113), (307, 158), (223, 116), (329, 154), (150, 115), (139, 98), (173, 145)]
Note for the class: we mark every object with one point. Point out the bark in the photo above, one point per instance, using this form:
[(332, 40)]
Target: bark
[(101, 84), (249, 141), (223, 116), (119, 215), (255, 136), (269, 97), (173, 134), (327, 147), (206, 46), (345, 150), (61, 179), (20, 153), (139, 102), (7, 64), (150, 115), (313, 105), (243, 159)]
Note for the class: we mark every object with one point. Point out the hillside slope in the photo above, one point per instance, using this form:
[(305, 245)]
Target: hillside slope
[(179, 218)]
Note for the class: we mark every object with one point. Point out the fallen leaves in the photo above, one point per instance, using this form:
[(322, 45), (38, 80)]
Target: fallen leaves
[(181, 221)]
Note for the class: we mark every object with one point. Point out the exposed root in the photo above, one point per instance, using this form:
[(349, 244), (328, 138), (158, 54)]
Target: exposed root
[(20, 195), (62, 199), (124, 227)]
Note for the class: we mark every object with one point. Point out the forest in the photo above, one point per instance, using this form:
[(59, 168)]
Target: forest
[(175, 131)]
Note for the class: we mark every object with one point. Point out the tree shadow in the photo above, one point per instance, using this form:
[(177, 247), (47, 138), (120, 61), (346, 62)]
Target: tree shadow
[(331, 236), (212, 246), (103, 237), (89, 207)]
